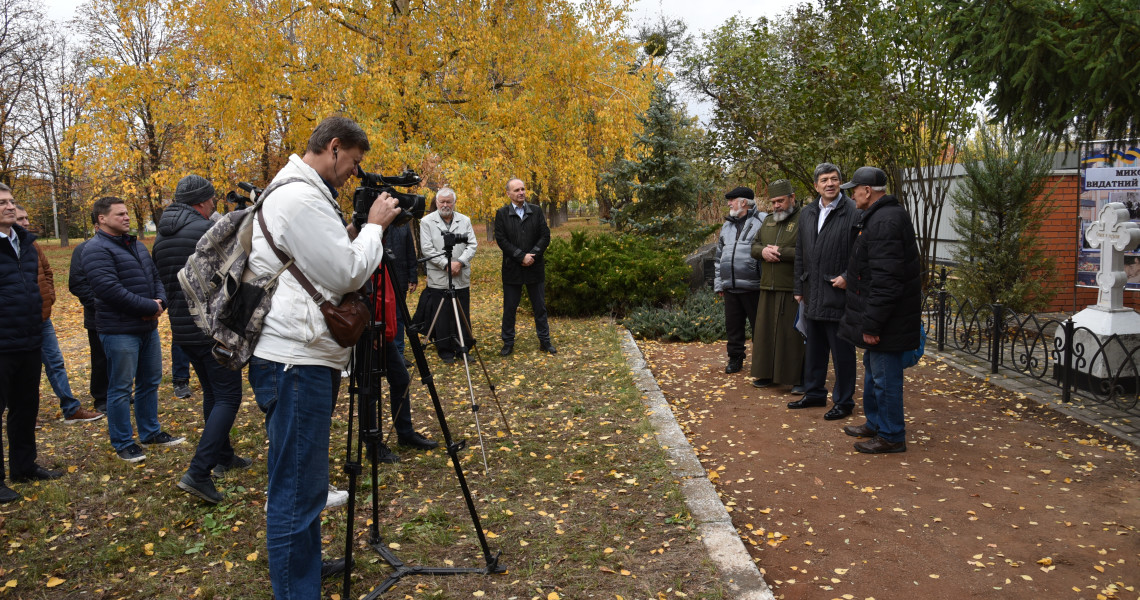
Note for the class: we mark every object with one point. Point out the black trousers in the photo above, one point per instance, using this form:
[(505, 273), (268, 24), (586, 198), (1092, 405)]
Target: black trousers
[(221, 399), (822, 339), (20, 396), (98, 385), (739, 307), (512, 295), (444, 334)]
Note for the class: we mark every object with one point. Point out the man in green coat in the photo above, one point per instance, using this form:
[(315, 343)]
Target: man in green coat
[(777, 348)]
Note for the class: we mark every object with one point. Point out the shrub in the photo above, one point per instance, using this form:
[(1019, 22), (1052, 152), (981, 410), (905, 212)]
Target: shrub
[(608, 274), (699, 317)]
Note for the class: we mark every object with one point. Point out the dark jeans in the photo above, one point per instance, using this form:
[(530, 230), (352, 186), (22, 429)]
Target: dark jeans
[(20, 396), (398, 379), (883, 394), (134, 367), (98, 384), (179, 364), (512, 295), (822, 339), (738, 308), (221, 399)]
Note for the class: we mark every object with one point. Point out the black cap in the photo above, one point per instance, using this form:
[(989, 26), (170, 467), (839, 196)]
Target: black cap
[(740, 192), (193, 189), (866, 176)]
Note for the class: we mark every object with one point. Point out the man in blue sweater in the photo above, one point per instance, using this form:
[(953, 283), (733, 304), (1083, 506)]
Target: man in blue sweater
[(129, 299)]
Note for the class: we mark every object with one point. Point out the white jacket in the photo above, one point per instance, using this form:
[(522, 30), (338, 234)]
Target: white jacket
[(306, 224), (431, 243)]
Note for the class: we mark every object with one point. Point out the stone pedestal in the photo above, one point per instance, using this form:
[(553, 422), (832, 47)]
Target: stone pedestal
[(1109, 338)]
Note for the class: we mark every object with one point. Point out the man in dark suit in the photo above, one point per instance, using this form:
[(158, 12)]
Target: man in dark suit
[(523, 235)]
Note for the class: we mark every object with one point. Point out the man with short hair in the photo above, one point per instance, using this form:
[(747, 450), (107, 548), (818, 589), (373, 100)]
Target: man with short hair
[(884, 306), (79, 287), (50, 355), (20, 341), (183, 223), (129, 299), (296, 366), (441, 271), (777, 348), (821, 276), (523, 235), (737, 278)]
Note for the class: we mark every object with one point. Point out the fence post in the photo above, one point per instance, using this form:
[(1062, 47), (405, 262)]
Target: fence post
[(995, 338), (1067, 362), (940, 326)]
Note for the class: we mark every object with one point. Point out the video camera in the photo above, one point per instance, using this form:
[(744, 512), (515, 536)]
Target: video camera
[(372, 185), (451, 239)]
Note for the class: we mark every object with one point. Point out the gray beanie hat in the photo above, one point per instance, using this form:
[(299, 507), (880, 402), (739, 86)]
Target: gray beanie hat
[(193, 189)]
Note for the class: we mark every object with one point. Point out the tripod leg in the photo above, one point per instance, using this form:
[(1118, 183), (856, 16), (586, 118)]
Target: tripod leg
[(486, 376), (455, 308)]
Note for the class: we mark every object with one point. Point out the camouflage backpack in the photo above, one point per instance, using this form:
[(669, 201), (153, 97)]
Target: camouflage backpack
[(225, 299)]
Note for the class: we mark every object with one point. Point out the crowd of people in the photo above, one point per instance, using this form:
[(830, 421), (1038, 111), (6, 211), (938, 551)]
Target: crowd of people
[(297, 365), (818, 281)]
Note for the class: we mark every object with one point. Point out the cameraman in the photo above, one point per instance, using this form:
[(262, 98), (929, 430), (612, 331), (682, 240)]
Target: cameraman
[(296, 365), (433, 227)]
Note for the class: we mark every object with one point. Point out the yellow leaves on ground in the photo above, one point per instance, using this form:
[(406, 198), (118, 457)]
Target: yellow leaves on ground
[(53, 581), (252, 556)]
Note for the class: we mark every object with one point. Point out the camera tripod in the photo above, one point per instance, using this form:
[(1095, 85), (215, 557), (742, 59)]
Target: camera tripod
[(369, 366), (459, 341)]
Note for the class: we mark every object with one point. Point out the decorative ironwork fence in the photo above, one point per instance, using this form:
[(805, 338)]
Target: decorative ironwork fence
[(1053, 351)]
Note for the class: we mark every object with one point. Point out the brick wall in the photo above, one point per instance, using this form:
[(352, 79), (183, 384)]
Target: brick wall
[(1060, 236)]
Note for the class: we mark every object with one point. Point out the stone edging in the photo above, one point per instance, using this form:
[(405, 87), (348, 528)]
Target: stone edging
[(734, 565)]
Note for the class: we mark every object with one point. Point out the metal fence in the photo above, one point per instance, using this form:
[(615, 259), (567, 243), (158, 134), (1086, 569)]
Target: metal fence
[(1049, 348)]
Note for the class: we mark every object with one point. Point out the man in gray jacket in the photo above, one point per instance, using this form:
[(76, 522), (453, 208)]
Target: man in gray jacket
[(737, 273), (826, 228), (442, 271)]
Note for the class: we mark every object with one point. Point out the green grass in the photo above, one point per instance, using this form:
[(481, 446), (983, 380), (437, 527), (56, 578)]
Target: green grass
[(579, 499)]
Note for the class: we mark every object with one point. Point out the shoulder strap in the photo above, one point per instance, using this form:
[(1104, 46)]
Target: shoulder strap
[(281, 256)]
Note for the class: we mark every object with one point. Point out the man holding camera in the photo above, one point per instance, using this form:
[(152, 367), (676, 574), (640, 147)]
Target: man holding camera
[(442, 231), (296, 365), (523, 235)]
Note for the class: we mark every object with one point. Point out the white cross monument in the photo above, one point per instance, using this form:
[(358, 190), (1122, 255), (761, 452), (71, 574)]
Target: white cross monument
[(1114, 234)]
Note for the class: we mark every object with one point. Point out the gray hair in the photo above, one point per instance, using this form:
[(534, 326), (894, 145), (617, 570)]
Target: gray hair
[(824, 169), (5, 188), (446, 192), (508, 185), (879, 188), (751, 202)]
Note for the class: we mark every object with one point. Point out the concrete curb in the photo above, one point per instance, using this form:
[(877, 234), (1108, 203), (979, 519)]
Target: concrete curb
[(735, 567)]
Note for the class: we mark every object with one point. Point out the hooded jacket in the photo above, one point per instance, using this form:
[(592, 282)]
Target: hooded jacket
[(735, 269), (179, 230)]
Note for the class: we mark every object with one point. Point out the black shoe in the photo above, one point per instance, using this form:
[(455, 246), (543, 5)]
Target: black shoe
[(506, 349), (797, 390), (448, 359), (201, 488), (385, 455), (878, 445), (7, 494), (236, 464), (547, 347), (859, 431), (182, 389), (408, 364), (761, 383), (806, 403), (332, 567), (101, 407), (417, 441), (37, 473), (734, 365), (837, 412), (163, 439)]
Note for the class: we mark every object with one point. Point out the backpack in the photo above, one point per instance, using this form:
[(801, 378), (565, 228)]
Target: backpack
[(227, 302), (911, 357)]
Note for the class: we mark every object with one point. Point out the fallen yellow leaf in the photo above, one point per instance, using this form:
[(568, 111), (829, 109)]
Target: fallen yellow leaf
[(252, 556), (54, 581)]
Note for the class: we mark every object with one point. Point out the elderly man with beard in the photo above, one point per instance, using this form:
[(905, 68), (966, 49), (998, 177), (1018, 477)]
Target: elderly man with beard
[(777, 348), (737, 272), (439, 267)]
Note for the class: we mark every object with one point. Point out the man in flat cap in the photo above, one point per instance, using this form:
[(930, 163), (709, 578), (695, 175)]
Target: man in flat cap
[(737, 273), (777, 348), (884, 302)]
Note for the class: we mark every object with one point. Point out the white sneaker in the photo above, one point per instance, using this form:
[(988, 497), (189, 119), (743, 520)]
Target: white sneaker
[(336, 497)]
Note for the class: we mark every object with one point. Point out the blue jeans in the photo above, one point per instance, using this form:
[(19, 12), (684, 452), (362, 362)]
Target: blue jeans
[(56, 371), (298, 402), (134, 360), (883, 394), (221, 399), (179, 364)]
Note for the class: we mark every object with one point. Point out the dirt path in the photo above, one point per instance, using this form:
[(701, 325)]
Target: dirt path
[(995, 497)]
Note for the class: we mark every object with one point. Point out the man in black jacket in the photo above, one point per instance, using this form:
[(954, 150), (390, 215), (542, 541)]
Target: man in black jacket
[(820, 278), (129, 299), (183, 223), (884, 302), (77, 284), (20, 339), (523, 235)]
